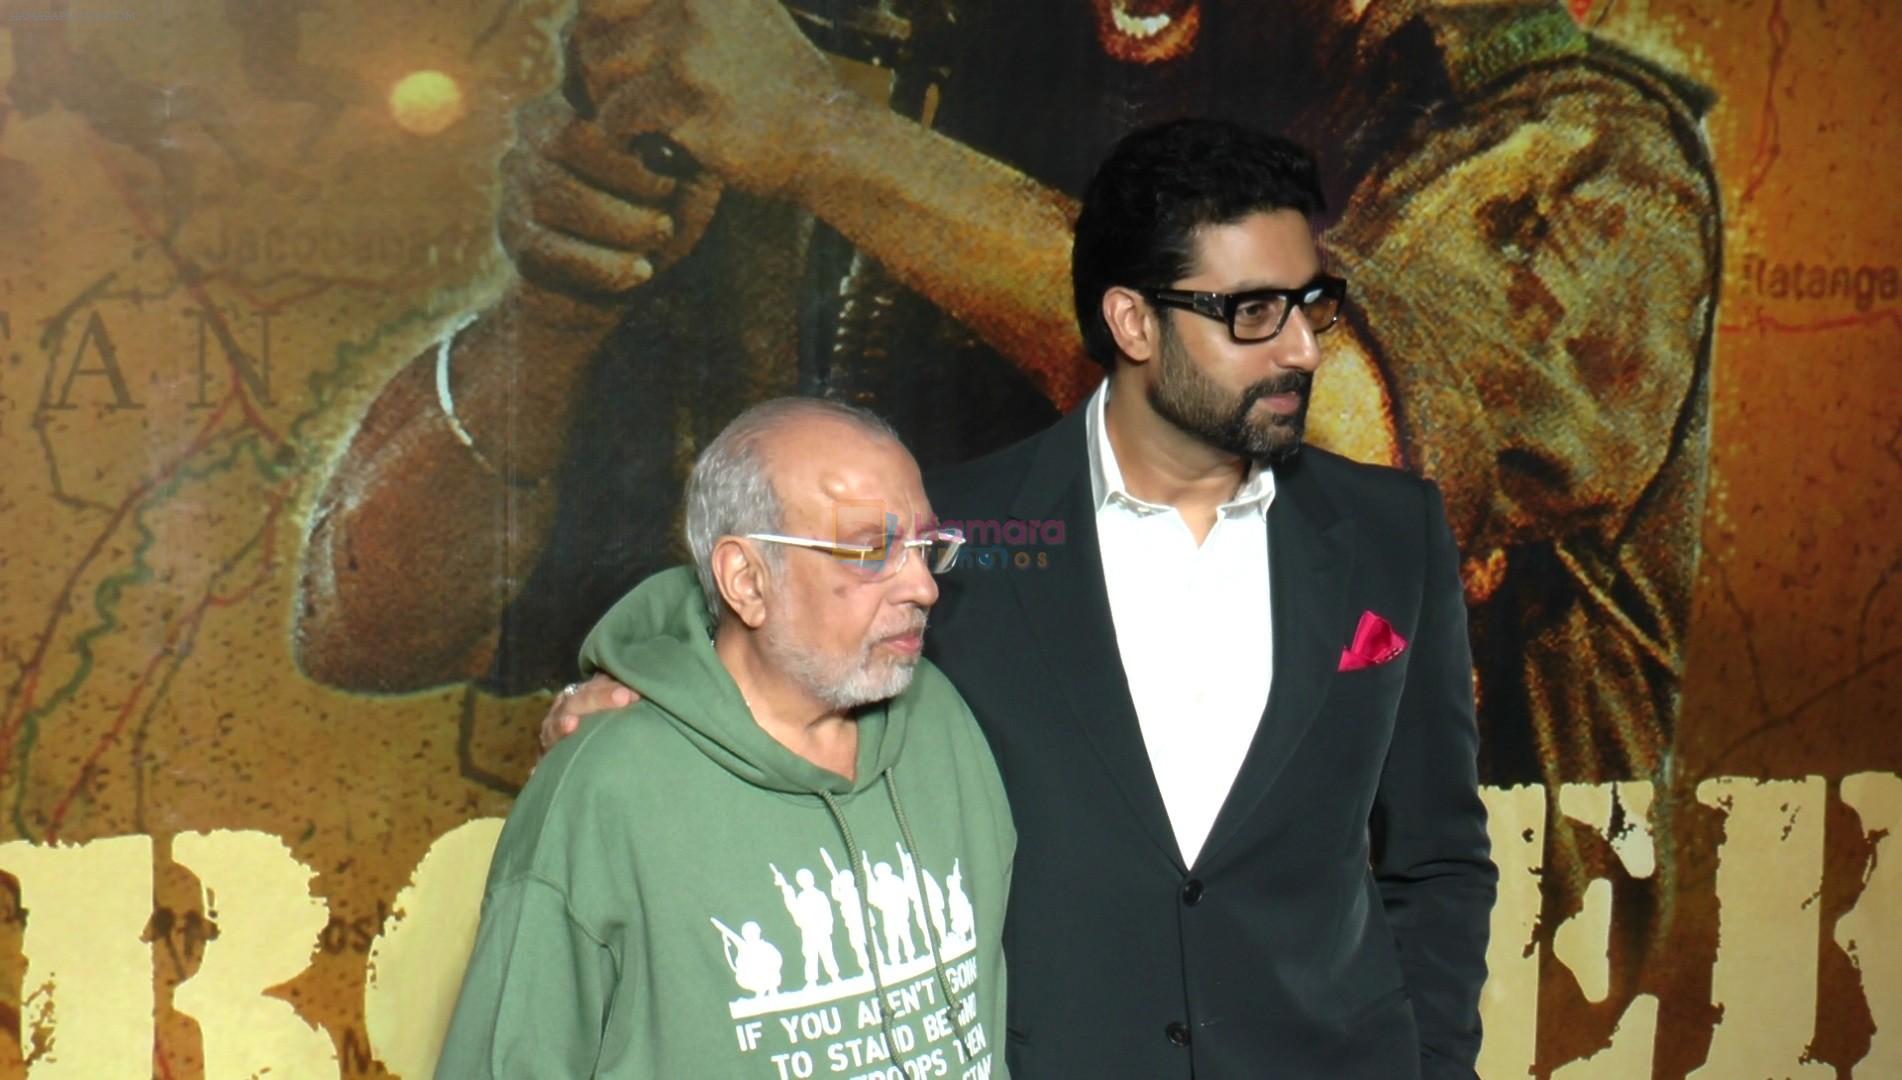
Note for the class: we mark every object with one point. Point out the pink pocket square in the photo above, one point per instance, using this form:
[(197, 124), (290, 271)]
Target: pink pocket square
[(1375, 642)]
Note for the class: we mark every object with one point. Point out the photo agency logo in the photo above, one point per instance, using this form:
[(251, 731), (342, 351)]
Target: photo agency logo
[(1012, 543), (989, 543)]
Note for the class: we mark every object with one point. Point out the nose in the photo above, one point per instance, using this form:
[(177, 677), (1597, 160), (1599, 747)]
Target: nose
[(913, 584), (1300, 349)]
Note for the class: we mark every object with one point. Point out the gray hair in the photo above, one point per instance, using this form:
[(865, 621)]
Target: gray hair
[(730, 491)]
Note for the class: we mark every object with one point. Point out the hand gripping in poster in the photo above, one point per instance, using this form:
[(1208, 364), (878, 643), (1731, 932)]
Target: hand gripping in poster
[(582, 216), (733, 82)]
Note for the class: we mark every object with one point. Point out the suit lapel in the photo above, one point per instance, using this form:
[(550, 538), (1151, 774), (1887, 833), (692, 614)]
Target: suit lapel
[(1066, 607), (1310, 561)]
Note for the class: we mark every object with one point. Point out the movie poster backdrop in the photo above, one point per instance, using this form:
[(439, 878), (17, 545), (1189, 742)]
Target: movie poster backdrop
[(352, 357)]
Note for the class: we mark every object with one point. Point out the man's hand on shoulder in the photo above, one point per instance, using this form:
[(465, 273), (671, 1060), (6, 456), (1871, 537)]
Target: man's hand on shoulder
[(579, 700)]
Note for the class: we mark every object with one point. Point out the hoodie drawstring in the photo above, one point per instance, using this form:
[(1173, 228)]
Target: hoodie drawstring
[(953, 1003), (937, 964), (856, 861)]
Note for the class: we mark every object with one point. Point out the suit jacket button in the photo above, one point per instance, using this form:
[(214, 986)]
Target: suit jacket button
[(1178, 1033), (1192, 892)]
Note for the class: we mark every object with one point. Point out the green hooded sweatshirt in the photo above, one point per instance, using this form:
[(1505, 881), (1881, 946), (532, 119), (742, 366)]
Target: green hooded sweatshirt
[(676, 895)]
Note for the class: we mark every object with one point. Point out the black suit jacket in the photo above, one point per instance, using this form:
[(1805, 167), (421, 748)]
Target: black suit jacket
[(1335, 923)]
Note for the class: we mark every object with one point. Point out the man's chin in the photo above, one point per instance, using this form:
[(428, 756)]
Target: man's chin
[(897, 678), (874, 683), (1275, 441)]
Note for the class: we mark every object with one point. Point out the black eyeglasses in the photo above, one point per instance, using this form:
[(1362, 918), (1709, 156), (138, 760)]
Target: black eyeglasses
[(1259, 314)]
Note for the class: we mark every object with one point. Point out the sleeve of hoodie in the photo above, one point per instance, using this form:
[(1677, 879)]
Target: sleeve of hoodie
[(668, 604), (537, 992), (541, 980)]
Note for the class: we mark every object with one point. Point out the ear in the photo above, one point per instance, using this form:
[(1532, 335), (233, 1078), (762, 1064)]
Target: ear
[(741, 579), (1133, 323)]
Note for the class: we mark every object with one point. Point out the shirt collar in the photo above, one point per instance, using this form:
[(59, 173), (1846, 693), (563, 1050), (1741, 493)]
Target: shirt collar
[(1106, 477)]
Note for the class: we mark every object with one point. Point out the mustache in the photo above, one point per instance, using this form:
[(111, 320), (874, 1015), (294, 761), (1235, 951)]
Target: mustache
[(1293, 382), (1290, 383), (912, 623)]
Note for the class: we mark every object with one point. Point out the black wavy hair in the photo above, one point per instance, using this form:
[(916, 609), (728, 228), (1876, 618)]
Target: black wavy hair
[(1160, 184)]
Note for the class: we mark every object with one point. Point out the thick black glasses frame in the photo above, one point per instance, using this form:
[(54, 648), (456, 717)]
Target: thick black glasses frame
[(1222, 306)]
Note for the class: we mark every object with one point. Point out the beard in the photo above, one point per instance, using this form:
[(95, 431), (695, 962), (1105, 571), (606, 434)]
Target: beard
[(842, 682), (1185, 396)]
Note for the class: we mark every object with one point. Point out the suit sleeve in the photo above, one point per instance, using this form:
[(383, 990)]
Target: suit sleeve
[(536, 995), (1432, 857)]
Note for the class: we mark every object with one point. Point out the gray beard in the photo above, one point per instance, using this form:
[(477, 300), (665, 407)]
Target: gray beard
[(840, 683)]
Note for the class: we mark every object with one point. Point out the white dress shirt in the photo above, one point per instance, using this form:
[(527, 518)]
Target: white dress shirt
[(1193, 628)]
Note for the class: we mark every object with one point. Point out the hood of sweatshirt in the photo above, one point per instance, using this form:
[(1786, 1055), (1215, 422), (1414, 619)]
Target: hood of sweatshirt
[(656, 640)]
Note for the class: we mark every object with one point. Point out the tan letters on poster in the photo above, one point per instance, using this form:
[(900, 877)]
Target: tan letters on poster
[(1583, 944), (87, 999), (1864, 930), (1768, 874), (1515, 819), (1768, 878), (416, 962), (268, 921)]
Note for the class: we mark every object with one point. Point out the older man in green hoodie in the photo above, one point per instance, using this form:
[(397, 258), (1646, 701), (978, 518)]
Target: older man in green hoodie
[(642, 918)]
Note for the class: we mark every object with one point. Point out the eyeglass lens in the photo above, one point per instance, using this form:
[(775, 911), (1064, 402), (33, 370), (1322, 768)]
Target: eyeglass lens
[(1263, 317), (939, 553)]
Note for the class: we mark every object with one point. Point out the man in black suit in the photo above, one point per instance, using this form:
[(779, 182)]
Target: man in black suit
[(1230, 688)]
